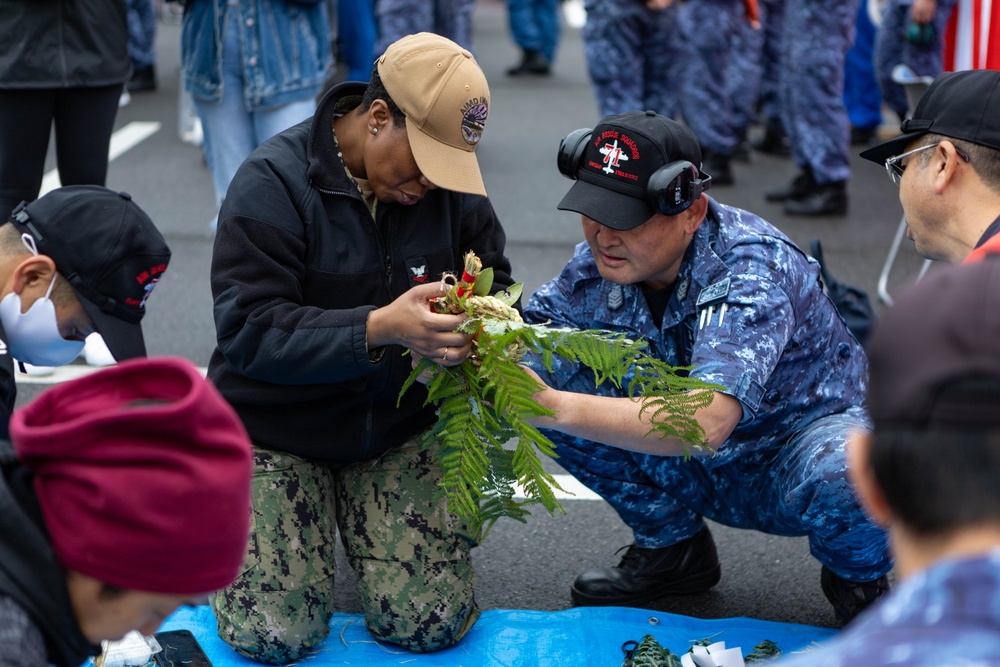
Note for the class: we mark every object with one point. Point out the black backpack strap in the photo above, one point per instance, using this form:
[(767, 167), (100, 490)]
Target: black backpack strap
[(816, 250)]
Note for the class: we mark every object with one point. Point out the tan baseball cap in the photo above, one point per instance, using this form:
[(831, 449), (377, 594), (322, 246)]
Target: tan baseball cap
[(446, 99)]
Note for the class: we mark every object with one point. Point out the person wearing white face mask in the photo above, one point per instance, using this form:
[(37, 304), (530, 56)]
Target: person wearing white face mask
[(82, 259)]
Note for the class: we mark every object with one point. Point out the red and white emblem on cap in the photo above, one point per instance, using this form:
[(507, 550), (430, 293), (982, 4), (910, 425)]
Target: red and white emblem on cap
[(148, 280), (612, 156)]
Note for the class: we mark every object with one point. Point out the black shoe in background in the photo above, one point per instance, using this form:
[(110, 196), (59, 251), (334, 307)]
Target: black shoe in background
[(142, 80), (800, 186), (823, 199), (862, 136), (532, 63), (774, 141), (643, 575), (850, 598), (717, 166), (742, 149)]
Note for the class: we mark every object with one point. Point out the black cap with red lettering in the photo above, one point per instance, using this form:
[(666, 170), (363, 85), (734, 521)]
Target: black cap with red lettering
[(109, 251)]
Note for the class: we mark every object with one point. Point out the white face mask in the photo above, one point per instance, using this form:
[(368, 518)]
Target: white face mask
[(33, 337)]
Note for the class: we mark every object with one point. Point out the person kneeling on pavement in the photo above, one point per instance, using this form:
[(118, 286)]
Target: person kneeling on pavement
[(722, 291), (104, 488)]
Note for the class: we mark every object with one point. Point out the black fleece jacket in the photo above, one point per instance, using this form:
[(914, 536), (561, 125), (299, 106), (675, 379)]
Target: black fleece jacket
[(299, 263), (30, 576)]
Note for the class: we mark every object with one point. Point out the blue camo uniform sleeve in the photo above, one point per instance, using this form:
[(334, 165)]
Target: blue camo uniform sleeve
[(741, 333), (747, 313)]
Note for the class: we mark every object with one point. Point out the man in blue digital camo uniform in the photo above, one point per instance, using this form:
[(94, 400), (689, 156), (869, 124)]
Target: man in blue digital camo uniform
[(631, 57), (707, 102), (398, 18), (721, 290), (815, 39), (929, 473)]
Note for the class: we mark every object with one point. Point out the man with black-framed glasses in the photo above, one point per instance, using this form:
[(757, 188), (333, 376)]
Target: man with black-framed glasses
[(946, 163)]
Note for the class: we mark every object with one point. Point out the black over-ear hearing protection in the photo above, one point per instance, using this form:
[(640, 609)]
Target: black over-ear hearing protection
[(671, 189)]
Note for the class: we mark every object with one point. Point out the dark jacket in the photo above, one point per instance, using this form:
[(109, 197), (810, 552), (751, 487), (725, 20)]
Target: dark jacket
[(30, 575), (299, 263), (63, 43)]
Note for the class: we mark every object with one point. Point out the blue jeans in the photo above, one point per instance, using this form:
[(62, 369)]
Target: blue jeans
[(141, 33), (231, 132), (534, 25), (862, 96)]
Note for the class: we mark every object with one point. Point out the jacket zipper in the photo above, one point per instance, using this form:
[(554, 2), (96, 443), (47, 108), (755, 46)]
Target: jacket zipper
[(387, 263)]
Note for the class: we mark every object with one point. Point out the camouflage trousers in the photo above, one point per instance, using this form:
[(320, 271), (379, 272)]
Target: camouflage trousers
[(798, 488), (412, 557)]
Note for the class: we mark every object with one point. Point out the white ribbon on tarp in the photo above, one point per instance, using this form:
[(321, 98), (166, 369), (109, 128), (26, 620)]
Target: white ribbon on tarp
[(714, 655)]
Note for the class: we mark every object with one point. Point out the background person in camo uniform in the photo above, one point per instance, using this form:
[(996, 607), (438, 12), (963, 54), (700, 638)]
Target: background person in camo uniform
[(629, 47), (448, 18), (331, 242), (815, 38), (721, 290), (706, 101)]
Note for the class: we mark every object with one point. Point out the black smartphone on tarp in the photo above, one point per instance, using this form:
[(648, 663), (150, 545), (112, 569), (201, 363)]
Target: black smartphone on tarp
[(179, 648)]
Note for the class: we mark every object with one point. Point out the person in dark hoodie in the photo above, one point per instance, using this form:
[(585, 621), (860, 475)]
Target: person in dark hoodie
[(102, 492)]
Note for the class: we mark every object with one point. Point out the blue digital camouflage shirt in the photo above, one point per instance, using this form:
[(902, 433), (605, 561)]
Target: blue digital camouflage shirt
[(948, 615), (780, 347)]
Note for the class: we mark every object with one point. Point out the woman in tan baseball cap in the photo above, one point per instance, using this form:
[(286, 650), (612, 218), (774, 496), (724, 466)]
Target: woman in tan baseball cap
[(332, 240)]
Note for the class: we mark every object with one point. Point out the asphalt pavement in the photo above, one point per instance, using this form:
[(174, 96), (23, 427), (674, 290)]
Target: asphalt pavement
[(520, 566)]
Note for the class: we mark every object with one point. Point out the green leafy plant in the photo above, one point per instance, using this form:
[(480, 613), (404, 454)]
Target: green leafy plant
[(487, 401)]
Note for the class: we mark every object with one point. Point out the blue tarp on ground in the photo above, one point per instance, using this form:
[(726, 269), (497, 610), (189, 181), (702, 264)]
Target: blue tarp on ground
[(583, 636)]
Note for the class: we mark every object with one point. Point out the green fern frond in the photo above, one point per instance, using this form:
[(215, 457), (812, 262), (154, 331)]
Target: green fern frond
[(486, 402)]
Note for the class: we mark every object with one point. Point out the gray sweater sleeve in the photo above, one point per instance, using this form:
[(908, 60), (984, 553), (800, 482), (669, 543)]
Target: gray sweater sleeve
[(21, 642)]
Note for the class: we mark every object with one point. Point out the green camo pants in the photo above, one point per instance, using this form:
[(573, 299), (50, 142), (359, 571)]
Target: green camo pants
[(411, 556)]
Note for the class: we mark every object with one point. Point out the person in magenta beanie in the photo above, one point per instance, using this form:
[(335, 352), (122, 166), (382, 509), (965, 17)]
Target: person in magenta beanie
[(103, 491)]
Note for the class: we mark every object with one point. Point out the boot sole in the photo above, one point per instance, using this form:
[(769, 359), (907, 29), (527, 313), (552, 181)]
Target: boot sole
[(696, 583)]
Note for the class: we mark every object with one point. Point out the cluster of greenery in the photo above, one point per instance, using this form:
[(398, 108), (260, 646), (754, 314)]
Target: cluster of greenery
[(484, 441)]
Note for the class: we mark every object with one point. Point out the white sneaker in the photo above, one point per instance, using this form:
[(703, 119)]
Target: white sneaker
[(36, 371), (96, 352)]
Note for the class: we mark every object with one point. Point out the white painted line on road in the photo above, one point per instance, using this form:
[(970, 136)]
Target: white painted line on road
[(572, 489), (64, 373), (124, 139)]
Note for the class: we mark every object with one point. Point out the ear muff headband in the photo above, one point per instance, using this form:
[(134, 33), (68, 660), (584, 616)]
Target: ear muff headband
[(671, 189), (571, 150)]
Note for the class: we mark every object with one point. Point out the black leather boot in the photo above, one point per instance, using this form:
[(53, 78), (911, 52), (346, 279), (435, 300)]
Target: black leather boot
[(800, 186), (823, 199), (142, 80), (717, 166), (533, 62), (774, 141), (850, 598), (643, 575)]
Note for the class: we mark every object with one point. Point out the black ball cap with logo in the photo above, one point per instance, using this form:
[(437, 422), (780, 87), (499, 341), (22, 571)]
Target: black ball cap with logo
[(623, 152), (109, 251)]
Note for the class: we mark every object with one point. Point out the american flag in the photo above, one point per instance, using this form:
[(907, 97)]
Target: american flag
[(972, 40)]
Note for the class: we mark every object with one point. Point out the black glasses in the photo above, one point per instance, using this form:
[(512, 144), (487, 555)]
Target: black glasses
[(895, 168)]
